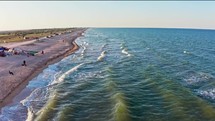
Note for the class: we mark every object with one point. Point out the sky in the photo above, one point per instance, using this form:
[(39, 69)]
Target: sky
[(147, 14)]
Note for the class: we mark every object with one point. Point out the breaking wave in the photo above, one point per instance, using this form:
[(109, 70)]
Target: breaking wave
[(102, 55), (120, 110), (63, 76), (125, 51), (208, 93)]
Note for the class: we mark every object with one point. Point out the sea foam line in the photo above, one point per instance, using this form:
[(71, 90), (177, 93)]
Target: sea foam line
[(63, 76)]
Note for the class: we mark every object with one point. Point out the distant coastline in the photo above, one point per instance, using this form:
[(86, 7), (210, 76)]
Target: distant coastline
[(183, 28)]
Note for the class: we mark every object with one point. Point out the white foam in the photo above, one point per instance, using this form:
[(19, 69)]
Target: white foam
[(209, 93), (84, 47), (85, 43), (186, 52), (39, 94), (30, 115), (198, 77), (63, 76), (83, 51), (100, 58), (125, 51), (192, 80)]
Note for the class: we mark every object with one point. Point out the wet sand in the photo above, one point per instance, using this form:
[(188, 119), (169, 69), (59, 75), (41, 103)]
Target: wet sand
[(54, 48)]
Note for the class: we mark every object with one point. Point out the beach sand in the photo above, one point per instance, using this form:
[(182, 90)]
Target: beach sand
[(54, 48)]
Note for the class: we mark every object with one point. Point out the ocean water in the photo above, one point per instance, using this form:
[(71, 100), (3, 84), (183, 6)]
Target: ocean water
[(126, 75)]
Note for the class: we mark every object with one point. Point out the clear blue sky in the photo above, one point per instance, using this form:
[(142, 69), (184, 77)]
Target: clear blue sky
[(162, 14)]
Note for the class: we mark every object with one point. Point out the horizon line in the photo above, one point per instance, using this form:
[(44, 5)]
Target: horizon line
[(110, 27)]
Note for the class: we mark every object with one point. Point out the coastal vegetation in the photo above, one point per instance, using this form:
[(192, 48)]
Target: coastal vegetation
[(25, 35)]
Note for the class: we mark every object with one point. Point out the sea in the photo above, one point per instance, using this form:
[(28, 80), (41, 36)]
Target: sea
[(125, 74)]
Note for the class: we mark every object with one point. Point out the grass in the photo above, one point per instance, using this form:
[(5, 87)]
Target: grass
[(18, 36), (10, 38)]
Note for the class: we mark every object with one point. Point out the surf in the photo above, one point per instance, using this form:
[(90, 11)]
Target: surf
[(63, 76), (102, 56), (84, 47), (125, 51), (121, 112), (83, 51), (47, 112), (30, 115)]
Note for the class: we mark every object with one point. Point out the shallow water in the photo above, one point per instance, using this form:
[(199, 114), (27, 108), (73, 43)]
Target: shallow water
[(126, 75)]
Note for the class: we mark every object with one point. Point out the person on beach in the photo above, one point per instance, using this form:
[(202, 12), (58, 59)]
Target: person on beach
[(42, 52), (24, 63), (11, 73)]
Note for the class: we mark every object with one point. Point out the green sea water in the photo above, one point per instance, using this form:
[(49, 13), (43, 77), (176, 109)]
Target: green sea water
[(127, 75)]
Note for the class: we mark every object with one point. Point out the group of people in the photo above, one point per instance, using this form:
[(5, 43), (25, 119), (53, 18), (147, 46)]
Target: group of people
[(23, 64)]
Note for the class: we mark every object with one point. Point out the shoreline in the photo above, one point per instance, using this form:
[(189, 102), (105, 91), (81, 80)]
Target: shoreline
[(8, 99)]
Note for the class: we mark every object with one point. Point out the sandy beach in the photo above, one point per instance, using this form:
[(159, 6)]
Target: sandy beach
[(54, 48)]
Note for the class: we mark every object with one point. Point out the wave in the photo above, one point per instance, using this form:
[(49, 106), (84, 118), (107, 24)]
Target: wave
[(83, 51), (48, 110), (85, 43), (39, 96), (194, 78), (120, 109), (33, 101), (63, 76), (209, 93), (84, 46), (125, 51), (30, 115), (121, 112), (101, 57), (186, 52)]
